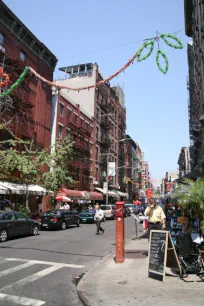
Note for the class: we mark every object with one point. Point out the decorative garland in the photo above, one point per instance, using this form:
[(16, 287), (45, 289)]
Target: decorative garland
[(179, 43), (3, 77), (147, 43), (17, 83), (165, 69)]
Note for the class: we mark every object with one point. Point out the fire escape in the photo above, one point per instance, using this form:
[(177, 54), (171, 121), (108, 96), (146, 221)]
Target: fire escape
[(81, 166), (22, 125)]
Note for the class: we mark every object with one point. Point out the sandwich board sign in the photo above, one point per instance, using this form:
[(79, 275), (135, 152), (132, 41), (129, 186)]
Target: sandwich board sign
[(162, 254)]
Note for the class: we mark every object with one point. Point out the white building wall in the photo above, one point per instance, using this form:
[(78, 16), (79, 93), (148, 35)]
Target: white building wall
[(85, 98)]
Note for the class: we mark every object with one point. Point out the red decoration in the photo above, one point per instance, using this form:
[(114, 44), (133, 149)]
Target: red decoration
[(4, 77)]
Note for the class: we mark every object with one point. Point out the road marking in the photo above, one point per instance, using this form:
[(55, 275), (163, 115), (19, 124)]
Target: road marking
[(15, 269), (20, 300), (31, 278), (50, 263)]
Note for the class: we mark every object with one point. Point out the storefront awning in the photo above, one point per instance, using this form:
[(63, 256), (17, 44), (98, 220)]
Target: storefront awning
[(14, 188), (96, 196), (110, 193), (73, 194), (121, 194)]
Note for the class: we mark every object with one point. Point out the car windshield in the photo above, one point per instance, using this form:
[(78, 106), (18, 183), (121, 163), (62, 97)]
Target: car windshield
[(88, 210), (129, 205), (108, 207)]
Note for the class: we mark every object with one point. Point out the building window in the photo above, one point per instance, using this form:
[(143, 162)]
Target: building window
[(60, 129), (67, 133), (91, 130), (97, 174), (97, 131), (87, 125), (75, 118), (102, 136), (91, 146), (97, 113), (61, 108), (69, 112), (2, 39), (22, 56), (96, 153)]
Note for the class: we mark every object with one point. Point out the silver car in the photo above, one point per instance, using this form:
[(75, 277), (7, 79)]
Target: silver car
[(109, 211)]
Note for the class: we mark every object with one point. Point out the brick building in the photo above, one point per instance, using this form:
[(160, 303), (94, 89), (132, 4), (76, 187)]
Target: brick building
[(106, 105), (71, 120), (184, 162), (32, 100)]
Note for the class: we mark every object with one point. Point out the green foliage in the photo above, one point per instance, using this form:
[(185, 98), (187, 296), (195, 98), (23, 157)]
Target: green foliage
[(31, 162), (190, 195)]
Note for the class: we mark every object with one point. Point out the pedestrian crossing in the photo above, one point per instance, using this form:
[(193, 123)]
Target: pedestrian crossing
[(21, 265)]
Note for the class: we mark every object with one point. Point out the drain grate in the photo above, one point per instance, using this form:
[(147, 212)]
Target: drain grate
[(136, 254)]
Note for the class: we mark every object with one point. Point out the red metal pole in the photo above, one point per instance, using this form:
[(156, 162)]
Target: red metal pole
[(120, 231)]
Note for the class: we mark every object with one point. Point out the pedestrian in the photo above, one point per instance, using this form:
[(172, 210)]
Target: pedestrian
[(67, 206), (99, 215), (156, 216)]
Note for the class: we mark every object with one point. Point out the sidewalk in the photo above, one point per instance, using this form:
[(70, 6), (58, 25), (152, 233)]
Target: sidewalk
[(110, 284)]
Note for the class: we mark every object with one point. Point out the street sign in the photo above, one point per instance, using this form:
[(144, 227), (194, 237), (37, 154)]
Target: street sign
[(111, 169)]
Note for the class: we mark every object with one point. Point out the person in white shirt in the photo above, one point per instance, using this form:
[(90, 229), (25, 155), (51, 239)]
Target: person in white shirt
[(98, 218), (67, 206)]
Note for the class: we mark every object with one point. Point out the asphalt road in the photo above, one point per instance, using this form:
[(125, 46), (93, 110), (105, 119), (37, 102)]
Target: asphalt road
[(43, 270)]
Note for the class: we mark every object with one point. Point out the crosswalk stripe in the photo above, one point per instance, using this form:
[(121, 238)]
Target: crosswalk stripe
[(31, 278), (50, 263), (20, 300), (15, 269)]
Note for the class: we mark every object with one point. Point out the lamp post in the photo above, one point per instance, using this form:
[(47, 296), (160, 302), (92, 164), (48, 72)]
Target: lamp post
[(107, 160)]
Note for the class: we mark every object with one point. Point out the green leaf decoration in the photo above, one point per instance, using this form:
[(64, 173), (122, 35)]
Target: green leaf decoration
[(146, 44), (17, 83), (179, 44), (165, 69)]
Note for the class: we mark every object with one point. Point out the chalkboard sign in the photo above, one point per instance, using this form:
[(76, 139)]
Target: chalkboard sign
[(157, 251), (162, 253)]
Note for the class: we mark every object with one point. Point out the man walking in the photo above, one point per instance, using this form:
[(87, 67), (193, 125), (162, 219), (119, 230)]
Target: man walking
[(156, 216), (99, 215)]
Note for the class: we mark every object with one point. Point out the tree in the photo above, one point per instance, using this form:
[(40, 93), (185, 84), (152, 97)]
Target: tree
[(21, 158), (190, 195)]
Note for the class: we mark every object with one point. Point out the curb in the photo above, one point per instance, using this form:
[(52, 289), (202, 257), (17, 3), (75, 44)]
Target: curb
[(83, 295)]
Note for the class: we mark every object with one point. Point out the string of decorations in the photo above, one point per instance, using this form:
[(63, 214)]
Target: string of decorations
[(148, 44)]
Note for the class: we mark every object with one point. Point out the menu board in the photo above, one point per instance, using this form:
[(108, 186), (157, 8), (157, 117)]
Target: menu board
[(162, 254), (157, 251)]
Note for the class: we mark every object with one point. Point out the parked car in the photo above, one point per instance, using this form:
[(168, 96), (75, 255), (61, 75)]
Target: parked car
[(139, 209), (142, 217), (13, 223), (130, 207), (109, 211), (59, 219), (87, 216)]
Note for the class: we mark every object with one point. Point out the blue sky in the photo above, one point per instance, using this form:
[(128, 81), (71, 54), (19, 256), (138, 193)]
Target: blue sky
[(157, 112)]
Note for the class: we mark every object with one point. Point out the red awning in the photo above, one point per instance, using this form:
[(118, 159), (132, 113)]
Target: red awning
[(96, 196), (76, 194)]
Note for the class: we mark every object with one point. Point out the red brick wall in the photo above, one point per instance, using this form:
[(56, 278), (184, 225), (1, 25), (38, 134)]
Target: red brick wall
[(39, 96)]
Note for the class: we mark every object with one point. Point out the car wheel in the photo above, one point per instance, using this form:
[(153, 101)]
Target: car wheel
[(35, 230), (3, 235), (63, 226), (78, 223)]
